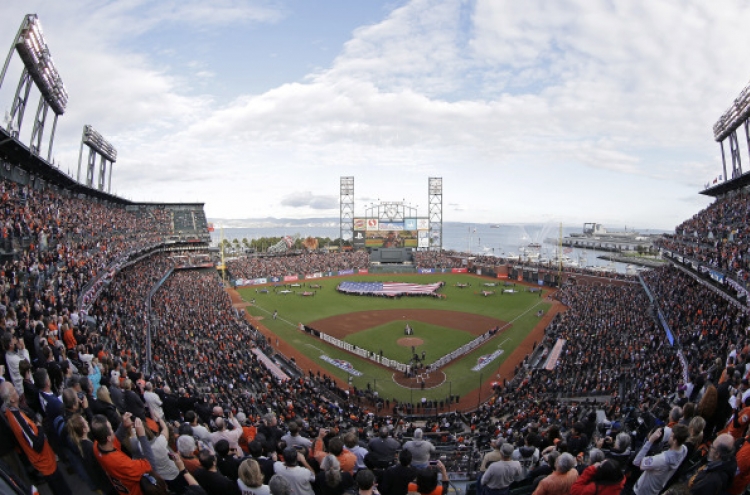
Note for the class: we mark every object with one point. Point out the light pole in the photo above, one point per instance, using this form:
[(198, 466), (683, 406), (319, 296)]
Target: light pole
[(479, 392)]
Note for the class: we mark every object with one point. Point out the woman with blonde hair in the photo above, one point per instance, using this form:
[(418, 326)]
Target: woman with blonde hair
[(251, 479), (103, 405), (80, 450)]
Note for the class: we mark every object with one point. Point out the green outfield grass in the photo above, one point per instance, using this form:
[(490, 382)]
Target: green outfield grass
[(519, 309), (438, 341)]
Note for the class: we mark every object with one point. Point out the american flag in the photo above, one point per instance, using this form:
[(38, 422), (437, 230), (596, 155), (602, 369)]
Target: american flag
[(388, 288)]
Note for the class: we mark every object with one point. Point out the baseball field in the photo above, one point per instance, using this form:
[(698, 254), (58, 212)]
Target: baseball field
[(468, 307)]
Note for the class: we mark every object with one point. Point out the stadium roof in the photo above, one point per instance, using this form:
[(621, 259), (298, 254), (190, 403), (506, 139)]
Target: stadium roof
[(16, 152), (727, 186)]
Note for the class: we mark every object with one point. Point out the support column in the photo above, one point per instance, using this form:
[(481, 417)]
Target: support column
[(734, 148), (435, 212), (102, 173), (38, 131), (19, 104), (91, 168)]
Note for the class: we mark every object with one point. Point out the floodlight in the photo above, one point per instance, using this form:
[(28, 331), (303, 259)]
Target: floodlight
[(738, 113), (36, 57), (95, 141)]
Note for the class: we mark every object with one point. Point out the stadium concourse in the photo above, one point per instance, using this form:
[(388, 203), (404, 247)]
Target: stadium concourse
[(111, 320)]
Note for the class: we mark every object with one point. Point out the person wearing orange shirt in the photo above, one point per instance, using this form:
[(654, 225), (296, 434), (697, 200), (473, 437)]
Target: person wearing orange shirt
[(32, 441), (124, 473), (347, 460), (68, 337)]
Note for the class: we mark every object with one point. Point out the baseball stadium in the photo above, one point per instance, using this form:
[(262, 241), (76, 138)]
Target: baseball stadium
[(139, 357)]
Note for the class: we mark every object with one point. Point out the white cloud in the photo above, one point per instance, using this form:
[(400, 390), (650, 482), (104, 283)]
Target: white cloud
[(307, 199), (573, 106)]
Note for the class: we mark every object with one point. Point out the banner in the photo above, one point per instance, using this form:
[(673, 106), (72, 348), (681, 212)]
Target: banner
[(372, 224), (483, 361), (342, 365), (240, 282), (363, 271), (423, 224), (346, 272), (425, 270), (459, 270), (410, 224), (291, 278), (360, 224), (391, 226)]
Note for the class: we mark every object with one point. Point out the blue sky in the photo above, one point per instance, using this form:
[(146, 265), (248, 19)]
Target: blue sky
[(537, 111)]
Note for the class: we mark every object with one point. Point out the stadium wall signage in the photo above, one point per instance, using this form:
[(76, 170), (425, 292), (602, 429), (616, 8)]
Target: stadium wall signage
[(342, 365), (483, 361)]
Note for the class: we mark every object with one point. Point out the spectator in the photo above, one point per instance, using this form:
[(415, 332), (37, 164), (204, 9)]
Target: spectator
[(279, 486), (331, 480), (427, 481), (296, 471), (600, 479), (420, 450), (209, 478), (31, 439), (500, 474), (716, 476), (365, 480), (657, 470), (561, 479), (121, 470), (396, 478), (250, 479), (383, 448)]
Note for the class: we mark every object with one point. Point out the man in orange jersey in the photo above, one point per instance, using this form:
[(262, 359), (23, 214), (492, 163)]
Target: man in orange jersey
[(32, 440), (124, 473)]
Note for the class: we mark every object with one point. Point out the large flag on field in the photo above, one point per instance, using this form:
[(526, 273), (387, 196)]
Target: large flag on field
[(388, 288)]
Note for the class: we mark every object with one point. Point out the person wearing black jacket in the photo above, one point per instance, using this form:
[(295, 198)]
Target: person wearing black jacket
[(169, 405), (577, 440), (209, 477), (133, 403), (396, 478), (269, 433), (716, 476), (226, 462)]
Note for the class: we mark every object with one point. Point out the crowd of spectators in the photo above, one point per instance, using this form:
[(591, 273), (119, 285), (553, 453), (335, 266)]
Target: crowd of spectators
[(717, 236), (297, 263), (75, 386)]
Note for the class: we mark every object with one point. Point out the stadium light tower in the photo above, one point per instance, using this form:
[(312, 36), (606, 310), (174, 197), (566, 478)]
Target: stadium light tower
[(97, 146), (726, 127), (346, 204), (39, 69), (435, 212)]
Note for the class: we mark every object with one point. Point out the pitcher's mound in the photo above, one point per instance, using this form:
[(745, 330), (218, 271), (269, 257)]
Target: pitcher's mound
[(410, 341)]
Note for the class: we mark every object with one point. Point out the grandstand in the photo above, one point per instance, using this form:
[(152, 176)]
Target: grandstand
[(107, 294)]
